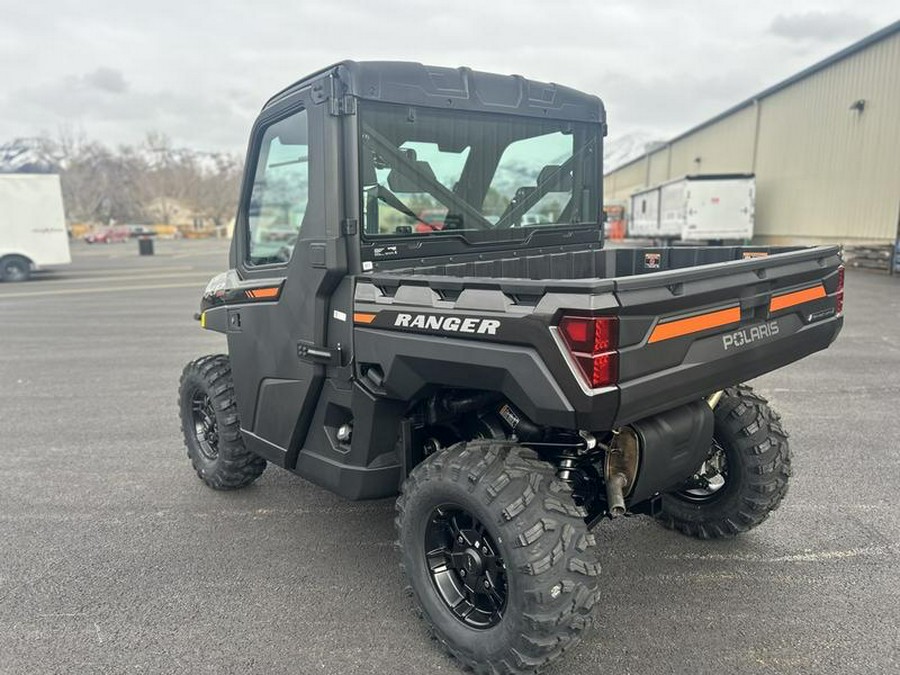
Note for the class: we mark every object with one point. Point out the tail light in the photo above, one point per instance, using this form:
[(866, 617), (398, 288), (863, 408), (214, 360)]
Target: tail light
[(592, 342), (839, 296)]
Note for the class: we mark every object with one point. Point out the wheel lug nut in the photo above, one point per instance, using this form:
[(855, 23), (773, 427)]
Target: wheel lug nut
[(460, 539), (462, 573), (487, 584)]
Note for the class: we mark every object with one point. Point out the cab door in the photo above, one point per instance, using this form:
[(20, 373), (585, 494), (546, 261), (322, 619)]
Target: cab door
[(288, 266)]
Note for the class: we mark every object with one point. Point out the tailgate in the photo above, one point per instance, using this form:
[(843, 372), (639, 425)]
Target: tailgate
[(688, 333)]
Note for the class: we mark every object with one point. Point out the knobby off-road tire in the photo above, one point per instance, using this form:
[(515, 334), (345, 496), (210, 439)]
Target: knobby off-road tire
[(758, 464), (209, 422), (549, 570)]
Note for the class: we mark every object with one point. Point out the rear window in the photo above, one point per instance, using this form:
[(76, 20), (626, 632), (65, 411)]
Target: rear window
[(426, 171)]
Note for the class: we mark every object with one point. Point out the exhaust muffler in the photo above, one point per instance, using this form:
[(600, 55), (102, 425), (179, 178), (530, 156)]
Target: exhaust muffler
[(620, 470), (615, 494)]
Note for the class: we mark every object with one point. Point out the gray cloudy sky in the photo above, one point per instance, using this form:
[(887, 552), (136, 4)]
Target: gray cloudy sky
[(199, 71)]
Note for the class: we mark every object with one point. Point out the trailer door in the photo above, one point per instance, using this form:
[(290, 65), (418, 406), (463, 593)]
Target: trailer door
[(645, 214), (672, 209), (720, 209)]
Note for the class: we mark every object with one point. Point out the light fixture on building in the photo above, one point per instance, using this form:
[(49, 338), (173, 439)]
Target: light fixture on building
[(858, 105)]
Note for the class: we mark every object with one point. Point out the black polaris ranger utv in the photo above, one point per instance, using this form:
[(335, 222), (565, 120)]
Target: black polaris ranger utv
[(419, 302)]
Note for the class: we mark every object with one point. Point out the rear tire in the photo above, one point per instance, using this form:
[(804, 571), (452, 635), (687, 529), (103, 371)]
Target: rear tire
[(212, 431), (15, 268), (532, 574), (757, 465)]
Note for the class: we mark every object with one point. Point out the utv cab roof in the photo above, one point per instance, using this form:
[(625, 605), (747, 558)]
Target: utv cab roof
[(450, 88)]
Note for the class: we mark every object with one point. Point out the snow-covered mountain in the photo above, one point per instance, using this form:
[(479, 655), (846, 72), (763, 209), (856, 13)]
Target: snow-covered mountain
[(206, 162), (41, 155), (621, 149), (28, 155)]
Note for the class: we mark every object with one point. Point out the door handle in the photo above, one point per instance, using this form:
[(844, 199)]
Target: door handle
[(324, 355)]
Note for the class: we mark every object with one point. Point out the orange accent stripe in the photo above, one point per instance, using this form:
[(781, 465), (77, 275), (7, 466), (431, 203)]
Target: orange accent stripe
[(695, 324), (796, 298), (263, 293), (362, 317)]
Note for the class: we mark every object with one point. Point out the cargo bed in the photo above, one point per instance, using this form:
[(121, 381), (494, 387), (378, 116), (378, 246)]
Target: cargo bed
[(691, 321)]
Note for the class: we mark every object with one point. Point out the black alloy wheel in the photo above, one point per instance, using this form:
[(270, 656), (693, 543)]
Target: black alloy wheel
[(206, 430), (465, 566), (709, 483)]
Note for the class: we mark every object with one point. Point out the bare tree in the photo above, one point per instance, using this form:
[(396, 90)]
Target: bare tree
[(217, 191), (145, 183)]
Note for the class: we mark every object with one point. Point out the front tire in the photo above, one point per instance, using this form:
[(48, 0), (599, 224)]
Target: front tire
[(745, 477), (212, 431), (497, 555), (15, 268)]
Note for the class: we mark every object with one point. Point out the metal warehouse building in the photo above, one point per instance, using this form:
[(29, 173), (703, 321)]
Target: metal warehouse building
[(824, 145)]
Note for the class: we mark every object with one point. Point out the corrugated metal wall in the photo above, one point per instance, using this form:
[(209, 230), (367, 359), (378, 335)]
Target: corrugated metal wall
[(824, 172), (618, 185), (823, 169), (725, 147)]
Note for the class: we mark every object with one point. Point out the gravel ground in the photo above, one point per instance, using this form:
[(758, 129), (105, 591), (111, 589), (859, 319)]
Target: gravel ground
[(115, 558)]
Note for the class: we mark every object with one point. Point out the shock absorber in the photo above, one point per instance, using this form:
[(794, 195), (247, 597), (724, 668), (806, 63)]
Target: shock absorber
[(567, 468)]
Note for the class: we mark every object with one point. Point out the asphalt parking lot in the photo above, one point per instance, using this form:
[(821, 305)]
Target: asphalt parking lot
[(115, 558)]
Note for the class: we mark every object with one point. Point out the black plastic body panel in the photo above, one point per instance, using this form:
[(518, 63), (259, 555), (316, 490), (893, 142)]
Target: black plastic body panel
[(415, 365), (456, 88), (370, 465), (706, 369)]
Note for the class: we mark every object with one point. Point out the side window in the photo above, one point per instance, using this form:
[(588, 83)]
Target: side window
[(280, 191)]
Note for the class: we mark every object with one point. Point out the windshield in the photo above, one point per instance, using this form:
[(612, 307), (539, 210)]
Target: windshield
[(426, 171)]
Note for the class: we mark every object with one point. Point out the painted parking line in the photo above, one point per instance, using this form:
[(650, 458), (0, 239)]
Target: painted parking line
[(107, 289), (802, 556), (220, 251), (127, 277), (64, 274)]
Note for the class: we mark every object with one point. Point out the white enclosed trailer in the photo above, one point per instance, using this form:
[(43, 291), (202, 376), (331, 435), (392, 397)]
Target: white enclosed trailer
[(32, 225), (644, 221), (710, 207)]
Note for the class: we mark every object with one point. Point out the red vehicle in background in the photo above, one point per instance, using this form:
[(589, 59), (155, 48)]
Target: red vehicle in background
[(109, 235), (432, 220)]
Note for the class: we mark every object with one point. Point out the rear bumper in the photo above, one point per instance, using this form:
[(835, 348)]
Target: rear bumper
[(709, 367), (683, 333), (663, 376)]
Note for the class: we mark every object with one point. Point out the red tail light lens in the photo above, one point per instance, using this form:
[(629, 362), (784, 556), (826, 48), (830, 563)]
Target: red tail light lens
[(589, 334), (602, 369), (839, 298), (592, 342)]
